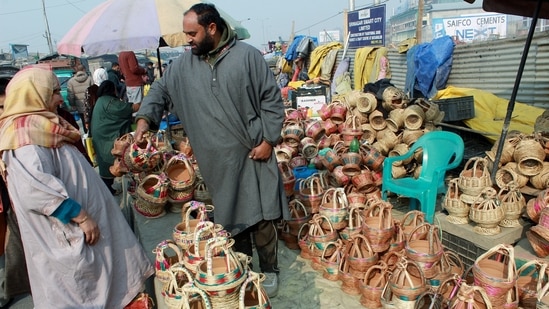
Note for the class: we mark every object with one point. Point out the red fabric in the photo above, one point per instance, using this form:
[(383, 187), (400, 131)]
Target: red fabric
[(131, 69)]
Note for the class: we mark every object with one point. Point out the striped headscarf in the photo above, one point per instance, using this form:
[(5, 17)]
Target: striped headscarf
[(26, 119)]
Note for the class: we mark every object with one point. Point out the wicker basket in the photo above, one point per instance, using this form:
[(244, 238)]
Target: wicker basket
[(513, 203), (474, 177), (538, 243), (152, 196), (425, 249), (221, 275), (458, 211), (529, 155), (471, 296), (311, 193), (350, 284), (541, 180), (334, 206), (531, 277), (182, 177), (318, 237), (298, 216), (535, 205), (496, 272), (404, 284), (183, 232), (509, 173), (487, 213), (252, 293), (121, 144), (354, 225), (414, 116), (142, 157), (371, 285), (292, 133), (378, 225), (360, 254), (163, 261), (330, 262)]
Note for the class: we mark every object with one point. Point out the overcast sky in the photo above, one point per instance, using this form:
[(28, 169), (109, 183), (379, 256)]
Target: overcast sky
[(23, 22)]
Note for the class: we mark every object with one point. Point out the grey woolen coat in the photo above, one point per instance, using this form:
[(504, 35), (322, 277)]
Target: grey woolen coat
[(227, 108)]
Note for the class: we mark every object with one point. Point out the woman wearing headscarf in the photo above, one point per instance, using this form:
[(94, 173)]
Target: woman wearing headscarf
[(79, 249), (111, 119), (99, 76)]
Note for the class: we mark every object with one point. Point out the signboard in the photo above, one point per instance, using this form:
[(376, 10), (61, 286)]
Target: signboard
[(471, 28), (328, 36), (367, 27)]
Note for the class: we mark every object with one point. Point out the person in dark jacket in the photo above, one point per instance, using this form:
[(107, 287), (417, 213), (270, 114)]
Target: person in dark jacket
[(133, 76)]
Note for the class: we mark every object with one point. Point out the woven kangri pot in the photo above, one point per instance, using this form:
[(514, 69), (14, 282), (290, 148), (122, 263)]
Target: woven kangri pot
[(474, 177), (252, 294), (303, 241), (471, 297), (196, 252), (543, 297), (541, 180), (496, 272), (529, 155), (509, 173), (377, 121), (365, 102), (121, 144), (360, 254), (371, 285), (371, 157), (298, 216), (513, 203), (334, 206), (182, 177), (404, 284), (410, 221), (163, 260), (378, 225), (531, 277), (458, 211), (142, 157), (535, 205), (354, 225), (152, 196), (311, 192), (425, 249), (414, 116), (487, 213), (330, 263), (319, 237), (350, 284), (339, 111), (221, 275), (183, 232), (292, 133)]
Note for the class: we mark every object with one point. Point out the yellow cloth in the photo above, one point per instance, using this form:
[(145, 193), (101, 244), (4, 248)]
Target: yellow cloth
[(27, 119), (368, 65), (490, 111), (318, 55)]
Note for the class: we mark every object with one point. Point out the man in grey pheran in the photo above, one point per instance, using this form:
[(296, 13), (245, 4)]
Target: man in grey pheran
[(230, 106)]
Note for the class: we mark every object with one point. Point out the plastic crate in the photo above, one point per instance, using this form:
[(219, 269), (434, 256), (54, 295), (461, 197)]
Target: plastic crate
[(467, 251), (456, 109)]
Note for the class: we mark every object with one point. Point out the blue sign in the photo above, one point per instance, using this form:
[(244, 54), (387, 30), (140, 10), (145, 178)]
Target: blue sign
[(367, 27)]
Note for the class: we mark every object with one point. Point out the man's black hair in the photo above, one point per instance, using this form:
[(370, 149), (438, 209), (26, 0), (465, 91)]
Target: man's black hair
[(207, 14), (3, 84)]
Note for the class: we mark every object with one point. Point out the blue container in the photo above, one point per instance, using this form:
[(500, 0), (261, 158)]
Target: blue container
[(302, 172)]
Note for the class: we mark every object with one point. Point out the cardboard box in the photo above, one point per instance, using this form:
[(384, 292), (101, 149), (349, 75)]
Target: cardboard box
[(312, 98)]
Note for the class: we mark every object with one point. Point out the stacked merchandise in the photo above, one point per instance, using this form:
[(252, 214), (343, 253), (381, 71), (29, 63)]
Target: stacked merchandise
[(199, 269)]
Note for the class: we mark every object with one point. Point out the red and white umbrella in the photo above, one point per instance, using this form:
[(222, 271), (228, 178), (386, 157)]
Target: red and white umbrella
[(117, 25)]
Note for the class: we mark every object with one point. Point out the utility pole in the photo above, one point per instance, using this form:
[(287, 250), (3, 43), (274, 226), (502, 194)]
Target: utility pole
[(419, 23), (48, 34)]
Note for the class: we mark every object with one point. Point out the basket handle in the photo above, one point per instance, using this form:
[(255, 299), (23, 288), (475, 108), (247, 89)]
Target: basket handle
[(190, 289), (255, 279)]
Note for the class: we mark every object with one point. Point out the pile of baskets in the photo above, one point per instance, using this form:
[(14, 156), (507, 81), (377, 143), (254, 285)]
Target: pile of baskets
[(472, 196), (198, 267), (164, 178)]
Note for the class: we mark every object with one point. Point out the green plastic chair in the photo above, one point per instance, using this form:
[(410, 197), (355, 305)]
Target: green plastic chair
[(442, 151)]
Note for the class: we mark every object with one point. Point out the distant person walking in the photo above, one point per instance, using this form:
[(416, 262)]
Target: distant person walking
[(116, 77), (150, 73), (133, 76), (76, 93)]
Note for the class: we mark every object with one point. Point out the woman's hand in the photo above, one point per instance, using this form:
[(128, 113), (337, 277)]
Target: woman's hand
[(262, 152), (91, 231), (88, 225)]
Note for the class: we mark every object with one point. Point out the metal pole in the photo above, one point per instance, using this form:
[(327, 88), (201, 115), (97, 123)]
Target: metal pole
[(511, 104), (48, 34), (419, 22)]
